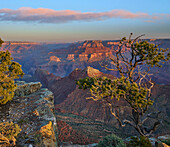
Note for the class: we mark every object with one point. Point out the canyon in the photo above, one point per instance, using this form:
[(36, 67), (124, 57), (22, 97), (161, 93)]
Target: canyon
[(62, 59), (58, 66), (70, 99)]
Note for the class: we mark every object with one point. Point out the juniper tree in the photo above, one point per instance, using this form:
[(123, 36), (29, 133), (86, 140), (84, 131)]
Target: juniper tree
[(133, 60), (9, 70), (1, 41)]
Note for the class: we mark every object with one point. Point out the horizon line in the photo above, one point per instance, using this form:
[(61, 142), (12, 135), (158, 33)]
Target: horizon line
[(55, 42)]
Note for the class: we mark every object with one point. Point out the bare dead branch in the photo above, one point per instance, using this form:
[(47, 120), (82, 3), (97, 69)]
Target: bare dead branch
[(94, 99), (152, 115), (138, 38), (151, 130), (105, 66)]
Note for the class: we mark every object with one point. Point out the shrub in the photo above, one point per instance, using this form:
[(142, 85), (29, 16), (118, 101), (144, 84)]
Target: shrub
[(1, 41), (111, 141), (9, 130), (9, 70), (139, 142), (166, 141)]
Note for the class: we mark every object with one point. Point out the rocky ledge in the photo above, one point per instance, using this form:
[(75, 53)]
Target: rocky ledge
[(32, 109)]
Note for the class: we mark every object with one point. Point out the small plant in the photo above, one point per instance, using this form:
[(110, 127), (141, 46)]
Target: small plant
[(1, 41), (139, 142), (10, 131), (111, 141), (37, 138), (22, 121), (166, 141)]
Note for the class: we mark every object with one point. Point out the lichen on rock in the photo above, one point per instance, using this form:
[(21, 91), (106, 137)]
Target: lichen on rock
[(26, 88), (32, 109)]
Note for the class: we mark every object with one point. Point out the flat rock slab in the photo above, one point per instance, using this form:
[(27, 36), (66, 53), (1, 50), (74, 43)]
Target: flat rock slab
[(24, 88)]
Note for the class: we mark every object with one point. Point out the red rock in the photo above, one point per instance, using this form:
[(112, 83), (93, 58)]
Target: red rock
[(68, 134), (54, 58), (83, 57), (70, 57)]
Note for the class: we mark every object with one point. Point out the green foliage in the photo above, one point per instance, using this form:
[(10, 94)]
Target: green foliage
[(9, 130), (9, 70), (134, 84), (104, 88), (1, 41), (149, 53), (85, 83), (139, 142), (37, 138), (166, 141), (111, 141)]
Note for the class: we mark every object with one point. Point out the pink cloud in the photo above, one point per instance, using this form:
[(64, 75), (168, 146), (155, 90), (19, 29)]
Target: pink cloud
[(43, 15)]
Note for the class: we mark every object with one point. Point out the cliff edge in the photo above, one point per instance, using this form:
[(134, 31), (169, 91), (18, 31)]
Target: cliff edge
[(32, 109)]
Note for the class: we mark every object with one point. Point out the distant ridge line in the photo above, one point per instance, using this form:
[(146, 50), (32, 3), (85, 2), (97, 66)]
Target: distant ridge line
[(116, 40)]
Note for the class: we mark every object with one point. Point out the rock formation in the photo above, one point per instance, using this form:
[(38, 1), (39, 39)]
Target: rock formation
[(83, 57), (70, 99), (45, 77), (94, 51), (70, 57), (55, 59), (32, 109), (61, 59), (69, 135)]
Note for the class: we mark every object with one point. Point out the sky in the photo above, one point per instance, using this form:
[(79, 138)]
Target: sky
[(63, 21)]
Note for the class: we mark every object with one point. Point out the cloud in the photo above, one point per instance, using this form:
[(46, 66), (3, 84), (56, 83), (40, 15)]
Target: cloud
[(43, 15)]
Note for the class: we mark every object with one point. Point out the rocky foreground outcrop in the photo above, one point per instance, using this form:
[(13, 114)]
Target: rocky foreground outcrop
[(32, 109)]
